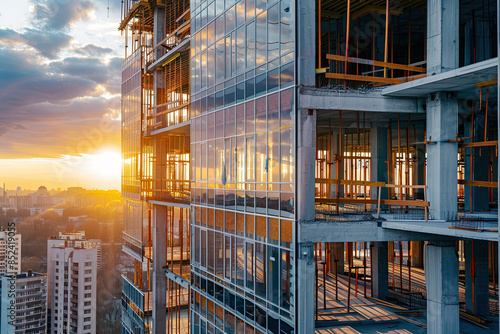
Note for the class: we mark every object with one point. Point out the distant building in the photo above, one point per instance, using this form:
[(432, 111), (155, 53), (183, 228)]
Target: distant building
[(41, 198), (72, 277), (6, 255), (21, 201), (78, 240), (81, 197), (23, 300)]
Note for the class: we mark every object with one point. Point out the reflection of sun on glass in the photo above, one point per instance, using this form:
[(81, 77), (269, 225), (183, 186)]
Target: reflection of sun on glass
[(106, 163)]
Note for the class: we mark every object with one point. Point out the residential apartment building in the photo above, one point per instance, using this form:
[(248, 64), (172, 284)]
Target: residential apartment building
[(78, 240), (10, 251), (23, 307), (72, 281), (319, 137)]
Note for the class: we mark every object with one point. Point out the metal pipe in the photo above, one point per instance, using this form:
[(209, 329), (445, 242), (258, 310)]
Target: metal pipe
[(347, 38), (356, 293), (364, 268), (324, 284), (486, 114), (349, 289), (319, 33), (336, 261), (386, 34), (401, 266)]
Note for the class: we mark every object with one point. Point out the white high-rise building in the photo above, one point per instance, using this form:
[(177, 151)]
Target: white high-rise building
[(77, 239), (23, 307), (72, 276), (10, 250)]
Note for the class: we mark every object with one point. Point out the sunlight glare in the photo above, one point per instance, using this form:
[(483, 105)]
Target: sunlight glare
[(106, 164)]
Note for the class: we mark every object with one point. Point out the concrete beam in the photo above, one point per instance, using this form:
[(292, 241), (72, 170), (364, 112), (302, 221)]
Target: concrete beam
[(441, 229), (369, 101), (441, 279), (460, 79), (330, 231)]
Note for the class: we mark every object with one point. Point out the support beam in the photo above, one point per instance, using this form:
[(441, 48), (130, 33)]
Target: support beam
[(159, 262), (477, 295), (380, 270), (306, 288), (441, 279)]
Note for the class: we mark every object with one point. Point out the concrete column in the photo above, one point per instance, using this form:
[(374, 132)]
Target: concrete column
[(442, 125), (306, 47), (337, 254), (441, 279), (442, 35), (380, 270), (159, 261), (306, 164), (337, 164), (306, 272), (476, 285), (159, 28), (378, 147)]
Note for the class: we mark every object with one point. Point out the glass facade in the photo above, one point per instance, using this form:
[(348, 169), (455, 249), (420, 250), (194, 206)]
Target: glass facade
[(135, 303), (131, 124), (243, 166)]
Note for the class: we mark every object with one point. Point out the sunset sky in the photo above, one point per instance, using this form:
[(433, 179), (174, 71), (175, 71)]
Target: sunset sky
[(60, 77)]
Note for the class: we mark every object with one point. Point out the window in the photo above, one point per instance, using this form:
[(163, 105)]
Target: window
[(88, 264), (86, 319), (87, 295), (88, 279)]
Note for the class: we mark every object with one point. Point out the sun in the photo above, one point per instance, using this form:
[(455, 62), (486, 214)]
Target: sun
[(105, 163)]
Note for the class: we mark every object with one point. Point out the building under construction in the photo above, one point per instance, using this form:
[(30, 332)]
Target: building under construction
[(310, 167)]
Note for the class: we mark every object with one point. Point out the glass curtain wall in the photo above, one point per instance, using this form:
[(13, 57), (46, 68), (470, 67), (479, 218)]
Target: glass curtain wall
[(243, 166)]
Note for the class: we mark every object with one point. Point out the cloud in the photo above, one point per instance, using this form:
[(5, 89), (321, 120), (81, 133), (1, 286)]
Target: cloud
[(47, 43), (47, 108), (89, 68), (7, 127), (92, 50), (62, 14), (10, 37)]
